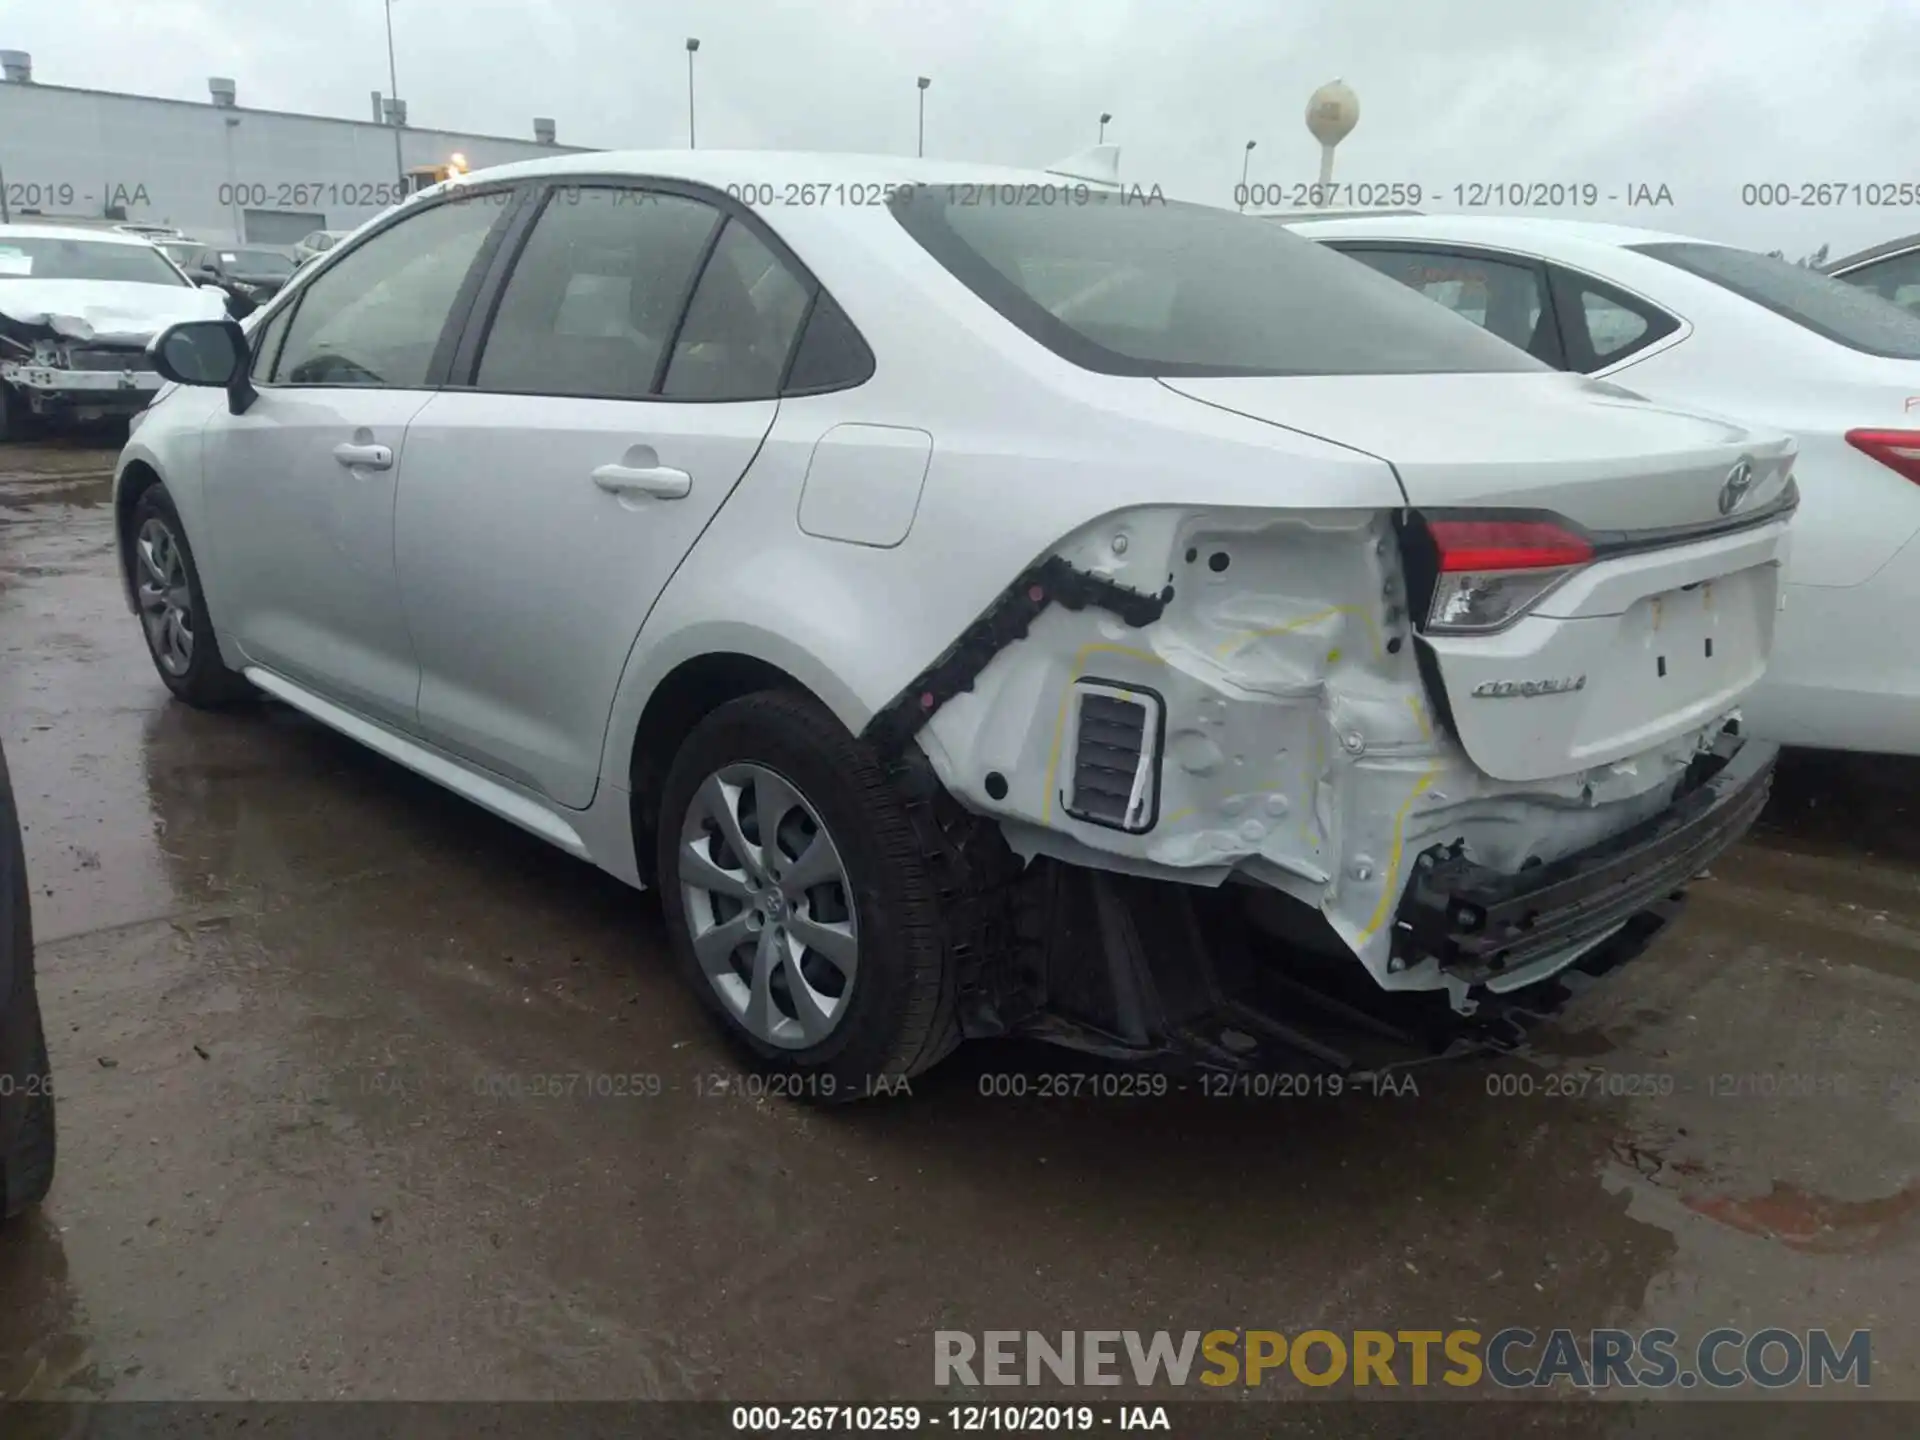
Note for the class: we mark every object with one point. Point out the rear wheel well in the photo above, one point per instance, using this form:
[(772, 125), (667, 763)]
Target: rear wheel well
[(691, 692), (135, 481)]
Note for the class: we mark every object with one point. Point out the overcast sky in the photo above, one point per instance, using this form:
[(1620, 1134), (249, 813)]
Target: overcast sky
[(1701, 96)]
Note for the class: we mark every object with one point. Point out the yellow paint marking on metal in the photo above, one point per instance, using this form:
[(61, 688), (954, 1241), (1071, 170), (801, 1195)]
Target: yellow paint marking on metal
[(1247, 637), (1420, 716), (1388, 883)]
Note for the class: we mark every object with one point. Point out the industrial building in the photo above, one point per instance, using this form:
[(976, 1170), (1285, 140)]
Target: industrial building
[(219, 170)]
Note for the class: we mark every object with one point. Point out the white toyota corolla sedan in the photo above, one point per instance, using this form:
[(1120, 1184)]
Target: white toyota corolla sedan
[(1731, 332), (963, 591)]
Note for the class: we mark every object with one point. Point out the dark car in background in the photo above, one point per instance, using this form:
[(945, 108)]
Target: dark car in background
[(26, 1080), (250, 274)]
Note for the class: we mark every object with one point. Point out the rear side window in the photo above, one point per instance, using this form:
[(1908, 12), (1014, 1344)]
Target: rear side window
[(1602, 325), (1845, 314), (1501, 296), (590, 307), (1124, 286), (740, 325), (831, 355)]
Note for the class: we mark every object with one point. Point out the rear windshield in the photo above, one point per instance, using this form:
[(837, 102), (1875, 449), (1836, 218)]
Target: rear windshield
[(1846, 314), (1129, 286)]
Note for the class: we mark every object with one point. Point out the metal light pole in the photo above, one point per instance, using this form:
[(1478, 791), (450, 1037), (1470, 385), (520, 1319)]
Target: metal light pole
[(921, 147), (692, 46), (393, 90), (1246, 159), (1104, 118)]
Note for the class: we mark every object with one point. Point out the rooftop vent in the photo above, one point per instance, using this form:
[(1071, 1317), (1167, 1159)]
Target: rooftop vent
[(542, 130), (222, 92), (395, 111), (378, 117), (17, 66)]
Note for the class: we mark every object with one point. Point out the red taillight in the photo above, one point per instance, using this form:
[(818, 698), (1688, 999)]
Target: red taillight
[(1508, 545), (1898, 450)]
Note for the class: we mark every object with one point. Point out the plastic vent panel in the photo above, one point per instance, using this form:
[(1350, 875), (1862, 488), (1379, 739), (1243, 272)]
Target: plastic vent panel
[(1115, 767)]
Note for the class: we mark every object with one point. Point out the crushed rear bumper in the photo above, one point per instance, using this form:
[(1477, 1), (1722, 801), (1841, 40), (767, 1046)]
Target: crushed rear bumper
[(1487, 927)]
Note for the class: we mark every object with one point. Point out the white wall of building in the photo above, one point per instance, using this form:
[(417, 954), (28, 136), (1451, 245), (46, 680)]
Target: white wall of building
[(71, 152)]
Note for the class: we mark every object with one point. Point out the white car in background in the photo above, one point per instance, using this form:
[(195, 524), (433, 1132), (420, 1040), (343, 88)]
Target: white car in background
[(1714, 328), (316, 243), (77, 308), (818, 538)]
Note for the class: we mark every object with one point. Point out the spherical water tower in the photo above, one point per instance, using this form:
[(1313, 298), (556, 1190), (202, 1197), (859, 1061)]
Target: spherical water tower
[(1332, 112)]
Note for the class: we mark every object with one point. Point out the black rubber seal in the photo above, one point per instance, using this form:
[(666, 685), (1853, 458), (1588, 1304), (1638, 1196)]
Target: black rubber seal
[(1053, 581)]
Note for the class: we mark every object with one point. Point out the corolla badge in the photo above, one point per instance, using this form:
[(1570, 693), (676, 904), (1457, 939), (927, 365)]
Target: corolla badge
[(1739, 480), (1528, 689)]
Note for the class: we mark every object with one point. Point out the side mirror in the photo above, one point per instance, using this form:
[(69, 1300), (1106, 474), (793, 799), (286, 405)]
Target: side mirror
[(216, 289), (209, 353)]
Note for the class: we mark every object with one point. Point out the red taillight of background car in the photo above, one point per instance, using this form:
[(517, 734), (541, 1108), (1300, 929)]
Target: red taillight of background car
[(1898, 450), (1491, 572)]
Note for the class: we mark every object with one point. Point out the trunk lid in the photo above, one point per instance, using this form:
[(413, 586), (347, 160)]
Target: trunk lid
[(1593, 452), (1659, 633)]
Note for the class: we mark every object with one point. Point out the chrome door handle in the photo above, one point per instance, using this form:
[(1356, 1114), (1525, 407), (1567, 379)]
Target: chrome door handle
[(660, 481), (364, 457)]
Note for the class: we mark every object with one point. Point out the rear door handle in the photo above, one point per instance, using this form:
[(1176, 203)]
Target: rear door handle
[(660, 481), (364, 457)]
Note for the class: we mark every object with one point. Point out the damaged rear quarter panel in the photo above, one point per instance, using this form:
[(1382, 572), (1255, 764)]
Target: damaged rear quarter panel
[(1298, 749)]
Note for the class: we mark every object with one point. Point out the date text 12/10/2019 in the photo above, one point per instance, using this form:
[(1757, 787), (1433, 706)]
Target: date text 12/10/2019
[(1465, 195)]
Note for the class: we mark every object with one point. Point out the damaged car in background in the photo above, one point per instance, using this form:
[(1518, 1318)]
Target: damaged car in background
[(1096, 618), (77, 308)]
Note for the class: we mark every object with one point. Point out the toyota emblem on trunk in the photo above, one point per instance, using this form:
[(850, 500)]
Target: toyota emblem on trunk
[(1739, 481)]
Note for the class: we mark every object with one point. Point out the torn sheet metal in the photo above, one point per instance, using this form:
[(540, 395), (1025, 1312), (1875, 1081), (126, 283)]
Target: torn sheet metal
[(1295, 746)]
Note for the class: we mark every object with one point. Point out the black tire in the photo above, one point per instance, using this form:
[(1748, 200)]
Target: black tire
[(900, 1015), (26, 1170), (206, 682), (26, 1106), (17, 420)]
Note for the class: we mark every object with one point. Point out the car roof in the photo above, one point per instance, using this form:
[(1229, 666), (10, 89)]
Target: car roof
[(74, 232), (1492, 230), (1873, 252), (721, 168)]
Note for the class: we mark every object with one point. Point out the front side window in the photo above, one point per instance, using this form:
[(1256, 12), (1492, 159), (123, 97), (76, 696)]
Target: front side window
[(1896, 278), (376, 317), (1846, 314), (1504, 297), (266, 340), (53, 257), (1126, 286), (740, 325), (591, 304)]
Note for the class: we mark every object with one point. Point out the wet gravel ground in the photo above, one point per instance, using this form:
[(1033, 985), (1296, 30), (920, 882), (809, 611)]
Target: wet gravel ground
[(301, 1003)]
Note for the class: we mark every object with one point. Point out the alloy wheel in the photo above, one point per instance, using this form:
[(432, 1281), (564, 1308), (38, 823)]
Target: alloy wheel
[(769, 906), (166, 596)]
